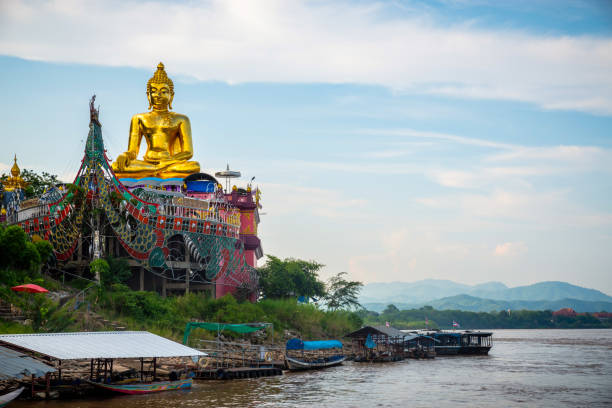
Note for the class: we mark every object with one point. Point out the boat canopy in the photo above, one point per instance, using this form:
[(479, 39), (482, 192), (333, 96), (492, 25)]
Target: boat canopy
[(297, 344), (241, 328)]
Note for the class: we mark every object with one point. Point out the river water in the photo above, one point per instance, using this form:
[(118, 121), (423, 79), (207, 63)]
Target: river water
[(536, 368)]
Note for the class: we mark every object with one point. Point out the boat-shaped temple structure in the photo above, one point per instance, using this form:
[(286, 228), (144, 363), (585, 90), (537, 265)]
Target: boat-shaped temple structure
[(179, 229)]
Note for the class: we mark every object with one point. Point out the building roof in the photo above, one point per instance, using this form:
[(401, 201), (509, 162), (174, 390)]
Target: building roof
[(16, 365), (376, 330), (88, 345)]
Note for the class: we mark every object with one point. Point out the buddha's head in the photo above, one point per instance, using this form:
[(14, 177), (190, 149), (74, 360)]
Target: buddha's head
[(160, 90)]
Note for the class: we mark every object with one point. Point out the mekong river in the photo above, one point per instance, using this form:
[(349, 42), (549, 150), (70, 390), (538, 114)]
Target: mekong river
[(535, 368)]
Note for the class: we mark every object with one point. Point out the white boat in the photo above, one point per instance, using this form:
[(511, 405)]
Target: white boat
[(296, 364), (6, 398)]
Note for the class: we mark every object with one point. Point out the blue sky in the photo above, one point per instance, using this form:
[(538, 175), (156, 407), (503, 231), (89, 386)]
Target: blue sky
[(462, 140)]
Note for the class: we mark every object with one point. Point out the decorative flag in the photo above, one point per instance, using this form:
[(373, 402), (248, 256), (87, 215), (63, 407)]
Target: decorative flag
[(455, 324), (387, 324), (426, 321)]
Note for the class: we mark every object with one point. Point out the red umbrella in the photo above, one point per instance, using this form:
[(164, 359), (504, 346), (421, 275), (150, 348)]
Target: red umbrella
[(30, 288)]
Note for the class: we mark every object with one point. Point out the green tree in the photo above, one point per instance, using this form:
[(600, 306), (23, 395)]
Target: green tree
[(290, 278), (44, 249), (101, 270), (17, 251), (342, 293), (118, 271), (36, 183)]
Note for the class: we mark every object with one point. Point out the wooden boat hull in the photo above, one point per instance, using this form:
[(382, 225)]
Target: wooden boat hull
[(462, 350), (6, 398), (447, 350), (147, 388), (298, 365)]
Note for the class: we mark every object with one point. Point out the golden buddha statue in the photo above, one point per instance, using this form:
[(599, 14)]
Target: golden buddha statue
[(168, 136), (14, 181)]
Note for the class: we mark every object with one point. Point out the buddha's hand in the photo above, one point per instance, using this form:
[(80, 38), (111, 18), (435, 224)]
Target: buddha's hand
[(123, 161)]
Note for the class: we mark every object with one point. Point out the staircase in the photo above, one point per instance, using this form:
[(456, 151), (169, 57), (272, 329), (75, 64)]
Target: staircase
[(10, 312)]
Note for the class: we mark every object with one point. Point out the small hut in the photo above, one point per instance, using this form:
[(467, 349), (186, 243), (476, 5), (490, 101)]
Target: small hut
[(419, 346), (377, 344)]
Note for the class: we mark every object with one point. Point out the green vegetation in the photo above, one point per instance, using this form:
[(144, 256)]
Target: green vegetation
[(137, 310), (168, 316), (17, 251), (342, 294), (443, 319), (290, 278)]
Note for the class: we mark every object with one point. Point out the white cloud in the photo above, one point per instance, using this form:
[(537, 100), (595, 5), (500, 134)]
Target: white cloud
[(544, 209), (295, 41), (587, 155), (510, 249)]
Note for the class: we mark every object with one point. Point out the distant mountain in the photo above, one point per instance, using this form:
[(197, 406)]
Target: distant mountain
[(411, 292), (475, 304), (426, 291), (544, 291)]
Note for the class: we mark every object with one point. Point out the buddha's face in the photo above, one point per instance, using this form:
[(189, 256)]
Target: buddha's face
[(160, 96)]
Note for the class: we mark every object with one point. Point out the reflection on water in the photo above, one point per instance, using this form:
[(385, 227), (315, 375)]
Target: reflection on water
[(525, 367)]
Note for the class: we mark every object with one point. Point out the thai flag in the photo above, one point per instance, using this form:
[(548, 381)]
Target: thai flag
[(455, 324)]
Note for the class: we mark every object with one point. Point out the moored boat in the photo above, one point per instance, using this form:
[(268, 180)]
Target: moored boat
[(6, 398), (465, 342), (294, 364), (146, 388), (310, 355)]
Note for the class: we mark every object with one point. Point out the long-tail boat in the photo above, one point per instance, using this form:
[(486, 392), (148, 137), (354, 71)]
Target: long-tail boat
[(309, 355), (6, 398), (146, 388)]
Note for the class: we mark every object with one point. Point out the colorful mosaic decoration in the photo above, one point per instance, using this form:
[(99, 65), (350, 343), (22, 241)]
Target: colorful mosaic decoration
[(147, 227)]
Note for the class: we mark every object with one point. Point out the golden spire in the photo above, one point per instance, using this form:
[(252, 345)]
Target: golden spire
[(15, 181), (15, 171)]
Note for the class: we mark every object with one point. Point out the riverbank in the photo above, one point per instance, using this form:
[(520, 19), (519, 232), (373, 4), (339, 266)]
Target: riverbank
[(505, 319), (538, 368)]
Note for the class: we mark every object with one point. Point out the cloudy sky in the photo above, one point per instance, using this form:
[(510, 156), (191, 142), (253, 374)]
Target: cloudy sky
[(398, 141)]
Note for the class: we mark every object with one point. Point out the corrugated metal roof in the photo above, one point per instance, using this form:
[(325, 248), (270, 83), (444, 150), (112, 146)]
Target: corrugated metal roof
[(14, 364), (387, 331), (88, 345)]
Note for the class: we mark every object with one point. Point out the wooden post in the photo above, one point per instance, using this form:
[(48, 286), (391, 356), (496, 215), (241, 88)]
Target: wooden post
[(105, 369), (111, 370), (32, 385), (187, 281), (154, 367), (47, 385), (141, 368), (91, 370), (59, 372), (188, 270), (142, 278)]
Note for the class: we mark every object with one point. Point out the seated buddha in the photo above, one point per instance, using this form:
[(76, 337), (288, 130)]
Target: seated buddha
[(168, 137)]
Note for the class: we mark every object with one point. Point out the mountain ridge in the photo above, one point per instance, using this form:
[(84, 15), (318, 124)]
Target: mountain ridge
[(475, 304), (434, 291)]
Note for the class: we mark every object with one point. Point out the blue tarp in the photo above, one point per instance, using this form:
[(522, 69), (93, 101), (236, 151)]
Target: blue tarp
[(369, 343), (297, 344)]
